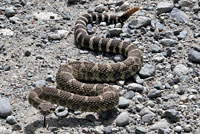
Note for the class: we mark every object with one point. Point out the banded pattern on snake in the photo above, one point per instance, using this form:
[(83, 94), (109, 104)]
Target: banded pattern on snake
[(71, 92)]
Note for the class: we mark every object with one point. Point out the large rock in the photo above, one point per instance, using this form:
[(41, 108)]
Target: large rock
[(163, 123), (173, 115), (164, 7), (180, 70), (141, 21), (185, 3), (194, 56), (122, 119), (179, 15), (5, 107)]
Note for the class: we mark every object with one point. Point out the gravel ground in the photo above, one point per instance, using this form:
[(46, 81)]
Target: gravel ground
[(162, 98)]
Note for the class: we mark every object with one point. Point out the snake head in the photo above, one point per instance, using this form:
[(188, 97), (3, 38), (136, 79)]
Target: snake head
[(46, 108)]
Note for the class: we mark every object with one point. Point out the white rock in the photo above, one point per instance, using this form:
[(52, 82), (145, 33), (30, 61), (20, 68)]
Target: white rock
[(46, 16), (6, 32)]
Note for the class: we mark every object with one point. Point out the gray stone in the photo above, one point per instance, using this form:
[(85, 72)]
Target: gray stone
[(91, 117), (90, 29), (168, 42), (50, 78), (6, 68), (154, 93), (9, 12), (147, 70), (155, 23), (122, 119), (158, 58), (62, 33), (6, 32), (14, 20), (27, 53), (137, 79), (5, 107), (115, 32), (91, 10), (145, 111), (125, 6), (46, 16), (185, 3), (138, 98), (187, 128), (7, 1), (62, 114), (155, 48), (196, 9), (107, 130), (163, 131), (66, 16), (180, 69), (140, 130), (123, 102), (100, 8), (129, 95), (164, 7), (179, 15), (141, 21), (139, 107), (148, 118), (103, 24), (135, 87), (178, 129), (172, 114), (118, 58), (197, 48), (16, 127), (11, 120), (54, 36), (194, 56), (163, 123), (39, 83), (182, 34)]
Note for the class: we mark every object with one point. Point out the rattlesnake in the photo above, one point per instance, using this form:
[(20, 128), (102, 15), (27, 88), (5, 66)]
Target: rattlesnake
[(72, 93)]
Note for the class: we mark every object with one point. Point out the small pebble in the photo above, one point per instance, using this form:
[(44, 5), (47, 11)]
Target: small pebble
[(168, 42), (9, 12), (135, 87), (50, 78), (178, 129), (39, 83), (11, 120), (140, 130), (107, 130), (118, 58), (129, 95)]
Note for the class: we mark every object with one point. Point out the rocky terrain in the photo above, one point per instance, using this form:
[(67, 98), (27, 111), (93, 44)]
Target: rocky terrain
[(163, 98)]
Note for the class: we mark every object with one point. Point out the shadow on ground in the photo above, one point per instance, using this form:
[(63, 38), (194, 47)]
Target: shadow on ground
[(105, 118)]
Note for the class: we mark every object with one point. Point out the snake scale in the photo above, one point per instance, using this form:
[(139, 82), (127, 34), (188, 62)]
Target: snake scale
[(71, 91)]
